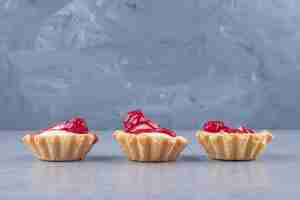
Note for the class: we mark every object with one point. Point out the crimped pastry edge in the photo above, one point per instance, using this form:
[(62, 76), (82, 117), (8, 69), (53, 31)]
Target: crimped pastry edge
[(67, 147), (230, 146), (150, 148)]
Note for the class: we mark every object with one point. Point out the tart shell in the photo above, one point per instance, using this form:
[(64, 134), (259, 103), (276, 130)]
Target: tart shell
[(227, 146), (150, 148), (68, 147)]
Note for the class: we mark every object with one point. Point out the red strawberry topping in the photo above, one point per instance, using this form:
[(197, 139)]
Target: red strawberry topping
[(219, 126), (246, 130), (213, 126), (229, 130), (74, 125), (135, 122)]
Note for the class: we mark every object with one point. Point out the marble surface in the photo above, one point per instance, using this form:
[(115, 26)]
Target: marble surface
[(106, 174), (181, 61)]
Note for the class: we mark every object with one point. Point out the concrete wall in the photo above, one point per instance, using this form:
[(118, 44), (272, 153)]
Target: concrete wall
[(182, 62)]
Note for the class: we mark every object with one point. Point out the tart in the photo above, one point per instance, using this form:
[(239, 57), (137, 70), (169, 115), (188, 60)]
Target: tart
[(143, 140), (224, 143), (65, 141)]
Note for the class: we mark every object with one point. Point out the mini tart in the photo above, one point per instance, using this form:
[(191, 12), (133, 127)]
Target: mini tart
[(60, 145), (233, 146), (150, 147)]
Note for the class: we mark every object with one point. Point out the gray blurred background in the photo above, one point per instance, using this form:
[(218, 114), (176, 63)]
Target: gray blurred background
[(182, 62)]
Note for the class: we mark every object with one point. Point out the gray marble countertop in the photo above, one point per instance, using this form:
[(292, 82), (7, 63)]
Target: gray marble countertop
[(106, 174)]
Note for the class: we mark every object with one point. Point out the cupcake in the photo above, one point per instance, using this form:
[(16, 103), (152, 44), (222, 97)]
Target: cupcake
[(224, 143), (65, 141), (143, 140)]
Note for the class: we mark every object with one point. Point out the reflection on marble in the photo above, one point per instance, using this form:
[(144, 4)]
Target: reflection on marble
[(107, 174), (140, 178), (62, 177), (150, 179), (239, 175)]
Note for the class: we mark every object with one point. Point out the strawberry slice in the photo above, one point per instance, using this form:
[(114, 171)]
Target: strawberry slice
[(141, 126), (167, 131), (132, 119), (133, 116), (245, 130), (217, 126), (213, 126), (230, 130), (74, 125), (135, 122), (149, 125)]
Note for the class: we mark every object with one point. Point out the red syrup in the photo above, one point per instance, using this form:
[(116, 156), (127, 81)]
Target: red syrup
[(135, 122), (75, 125), (219, 126)]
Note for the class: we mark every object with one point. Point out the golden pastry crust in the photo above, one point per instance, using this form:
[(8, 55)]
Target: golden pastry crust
[(150, 147), (66, 147), (232, 146)]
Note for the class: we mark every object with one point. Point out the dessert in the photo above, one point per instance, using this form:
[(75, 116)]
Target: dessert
[(222, 142), (65, 141), (144, 140)]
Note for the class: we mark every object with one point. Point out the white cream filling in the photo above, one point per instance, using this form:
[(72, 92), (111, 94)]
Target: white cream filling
[(56, 132), (226, 133), (157, 134), (162, 136)]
